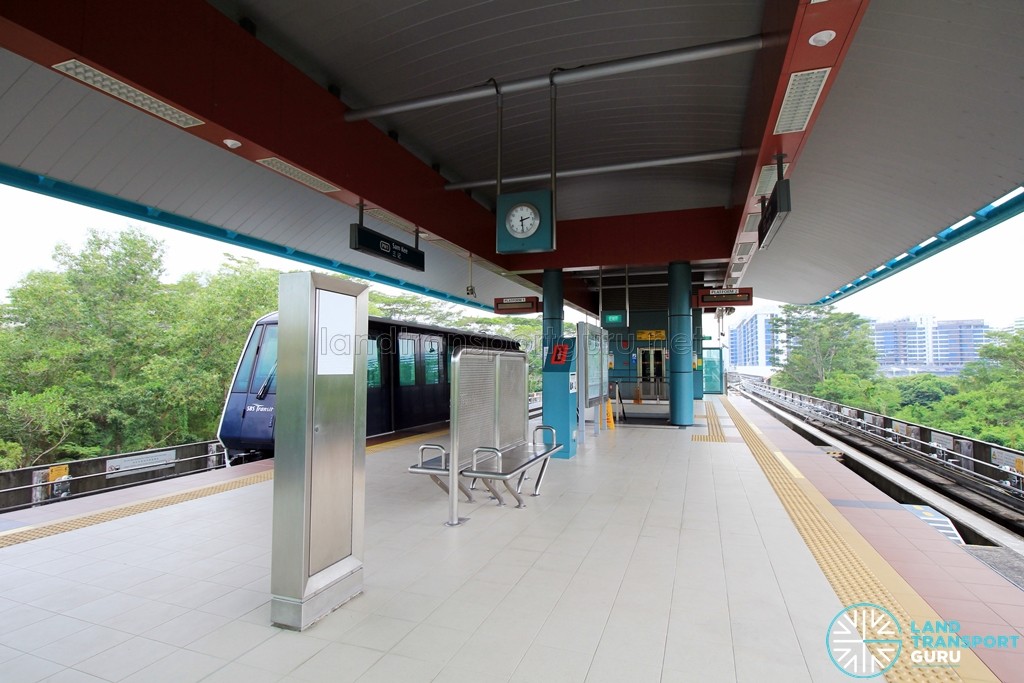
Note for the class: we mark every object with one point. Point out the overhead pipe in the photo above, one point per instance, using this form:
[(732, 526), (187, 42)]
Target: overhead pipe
[(614, 67), (608, 168)]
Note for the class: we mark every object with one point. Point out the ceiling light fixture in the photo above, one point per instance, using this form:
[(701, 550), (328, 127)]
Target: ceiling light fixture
[(801, 96), (766, 180), (122, 91), (822, 38), (307, 179), (232, 144)]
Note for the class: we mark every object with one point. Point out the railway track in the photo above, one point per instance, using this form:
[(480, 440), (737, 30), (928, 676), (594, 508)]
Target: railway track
[(989, 489)]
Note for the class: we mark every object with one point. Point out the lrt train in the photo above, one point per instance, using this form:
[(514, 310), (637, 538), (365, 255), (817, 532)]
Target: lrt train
[(407, 382)]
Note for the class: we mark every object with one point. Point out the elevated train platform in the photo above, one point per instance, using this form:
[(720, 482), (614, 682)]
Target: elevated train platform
[(716, 553)]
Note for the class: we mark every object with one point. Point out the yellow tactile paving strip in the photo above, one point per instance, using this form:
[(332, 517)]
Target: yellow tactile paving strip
[(715, 433), (32, 533), (855, 570)]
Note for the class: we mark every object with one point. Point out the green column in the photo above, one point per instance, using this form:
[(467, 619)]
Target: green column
[(680, 344)]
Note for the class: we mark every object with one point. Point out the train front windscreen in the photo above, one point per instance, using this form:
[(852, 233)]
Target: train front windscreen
[(247, 425)]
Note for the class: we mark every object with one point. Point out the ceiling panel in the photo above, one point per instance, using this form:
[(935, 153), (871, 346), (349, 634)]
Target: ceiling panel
[(921, 128)]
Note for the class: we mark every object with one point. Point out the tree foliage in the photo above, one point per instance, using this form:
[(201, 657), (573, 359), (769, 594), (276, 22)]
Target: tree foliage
[(827, 359), (821, 343), (101, 357)]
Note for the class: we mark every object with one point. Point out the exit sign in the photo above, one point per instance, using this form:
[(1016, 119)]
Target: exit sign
[(613, 319)]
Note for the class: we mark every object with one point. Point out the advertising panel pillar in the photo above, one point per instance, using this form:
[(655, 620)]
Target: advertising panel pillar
[(680, 344), (561, 384), (698, 354), (319, 485)]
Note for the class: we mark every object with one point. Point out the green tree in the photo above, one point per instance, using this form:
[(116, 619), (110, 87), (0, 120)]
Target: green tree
[(923, 390), (820, 342), (412, 308), (103, 357), (989, 404), (875, 395)]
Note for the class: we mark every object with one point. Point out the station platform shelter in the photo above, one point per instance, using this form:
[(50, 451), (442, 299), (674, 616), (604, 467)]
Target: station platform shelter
[(720, 552)]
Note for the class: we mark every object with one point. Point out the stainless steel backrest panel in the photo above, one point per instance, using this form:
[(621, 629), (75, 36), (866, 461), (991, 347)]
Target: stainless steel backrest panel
[(488, 399), (475, 395), (512, 418)]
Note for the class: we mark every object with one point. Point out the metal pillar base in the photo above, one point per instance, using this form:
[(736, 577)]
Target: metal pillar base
[(300, 615)]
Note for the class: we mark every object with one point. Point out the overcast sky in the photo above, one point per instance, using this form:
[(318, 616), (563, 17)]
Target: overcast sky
[(979, 278)]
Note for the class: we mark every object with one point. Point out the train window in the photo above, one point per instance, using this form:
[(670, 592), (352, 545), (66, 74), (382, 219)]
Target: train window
[(245, 366), (266, 362), (432, 360), (373, 380), (406, 361)]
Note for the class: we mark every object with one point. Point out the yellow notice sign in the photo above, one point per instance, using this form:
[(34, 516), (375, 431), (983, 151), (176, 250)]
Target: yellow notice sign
[(58, 471), (650, 335)]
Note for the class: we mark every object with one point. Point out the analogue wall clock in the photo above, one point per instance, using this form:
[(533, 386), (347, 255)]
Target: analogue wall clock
[(522, 220), (525, 222)]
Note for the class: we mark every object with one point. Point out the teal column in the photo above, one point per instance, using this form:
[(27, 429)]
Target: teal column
[(680, 344), (554, 386), (553, 305), (698, 348)]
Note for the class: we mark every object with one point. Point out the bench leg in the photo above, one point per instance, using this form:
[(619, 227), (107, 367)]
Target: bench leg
[(437, 480), (494, 492), (444, 487), (512, 490), (466, 492), (540, 477)]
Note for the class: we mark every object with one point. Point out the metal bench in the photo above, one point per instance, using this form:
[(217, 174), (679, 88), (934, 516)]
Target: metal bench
[(489, 428), (496, 464)]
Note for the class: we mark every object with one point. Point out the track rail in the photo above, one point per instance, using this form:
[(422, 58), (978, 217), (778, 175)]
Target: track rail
[(959, 466)]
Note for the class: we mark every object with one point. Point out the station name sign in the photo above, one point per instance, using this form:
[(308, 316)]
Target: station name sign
[(374, 243), (517, 304), (715, 298)]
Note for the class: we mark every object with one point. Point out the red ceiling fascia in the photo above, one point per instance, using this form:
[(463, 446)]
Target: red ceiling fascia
[(638, 239), (841, 16), (188, 54)]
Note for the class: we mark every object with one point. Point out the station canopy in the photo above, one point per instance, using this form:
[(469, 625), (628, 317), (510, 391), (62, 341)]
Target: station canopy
[(267, 123)]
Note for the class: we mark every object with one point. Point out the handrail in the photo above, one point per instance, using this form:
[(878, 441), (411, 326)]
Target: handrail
[(127, 470), (546, 428), (433, 446)]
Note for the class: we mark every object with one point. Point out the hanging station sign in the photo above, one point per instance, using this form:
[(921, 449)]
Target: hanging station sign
[(376, 244), (715, 298), (517, 304)]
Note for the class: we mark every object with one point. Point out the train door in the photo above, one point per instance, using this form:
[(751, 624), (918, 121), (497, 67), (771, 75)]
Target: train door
[(421, 392), (378, 394), (653, 368), (408, 404), (248, 422)]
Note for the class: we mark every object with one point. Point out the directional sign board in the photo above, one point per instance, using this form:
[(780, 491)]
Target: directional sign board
[(376, 244)]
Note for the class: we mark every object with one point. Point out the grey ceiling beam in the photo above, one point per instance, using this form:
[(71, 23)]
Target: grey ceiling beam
[(579, 74), (609, 168)]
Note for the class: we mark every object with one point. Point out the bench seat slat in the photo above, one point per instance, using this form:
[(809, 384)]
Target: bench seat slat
[(512, 462)]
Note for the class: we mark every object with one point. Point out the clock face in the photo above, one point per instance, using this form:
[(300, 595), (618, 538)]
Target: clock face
[(522, 220)]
